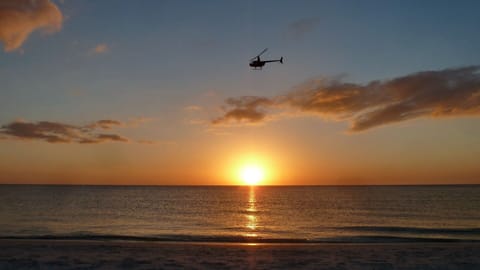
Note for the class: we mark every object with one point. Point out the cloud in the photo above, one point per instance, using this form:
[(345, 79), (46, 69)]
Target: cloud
[(248, 109), (298, 29), (157, 143), (105, 124), (443, 93), (146, 141), (100, 48), (55, 132), (111, 137), (136, 121), (192, 108), (19, 18)]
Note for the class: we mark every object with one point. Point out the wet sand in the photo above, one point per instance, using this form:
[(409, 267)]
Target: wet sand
[(66, 254)]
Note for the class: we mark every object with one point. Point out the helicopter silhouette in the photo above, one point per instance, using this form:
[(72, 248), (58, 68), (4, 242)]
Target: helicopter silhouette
[(256, 63)]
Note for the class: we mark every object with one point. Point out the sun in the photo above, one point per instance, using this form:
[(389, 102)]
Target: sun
[(252, 174)]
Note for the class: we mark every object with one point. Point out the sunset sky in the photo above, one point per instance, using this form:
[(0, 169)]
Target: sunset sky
[(160, 92)]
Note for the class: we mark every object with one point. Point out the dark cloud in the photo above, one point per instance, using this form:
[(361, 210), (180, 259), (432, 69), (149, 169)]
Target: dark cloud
[(19, 18), (443, 93), (54, 132), (300, 28), (111, 137), (245, 109), (100, 138), (105, 124)]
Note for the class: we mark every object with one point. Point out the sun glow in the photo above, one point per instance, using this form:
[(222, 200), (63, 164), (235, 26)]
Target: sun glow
[(252, 174), (251, 170)]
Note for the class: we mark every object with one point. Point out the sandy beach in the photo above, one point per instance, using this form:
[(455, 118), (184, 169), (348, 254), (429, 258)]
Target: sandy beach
[(65, 254)]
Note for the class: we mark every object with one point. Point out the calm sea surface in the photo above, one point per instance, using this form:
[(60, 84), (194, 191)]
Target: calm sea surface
[(242, 214)]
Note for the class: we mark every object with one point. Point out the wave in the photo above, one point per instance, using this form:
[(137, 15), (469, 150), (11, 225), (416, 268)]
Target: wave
[(235, 239), (162, 238), (413, 230)]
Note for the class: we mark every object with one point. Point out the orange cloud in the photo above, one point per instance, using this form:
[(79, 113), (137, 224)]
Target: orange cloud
[(19, 18), (442, 93), (100, 48)]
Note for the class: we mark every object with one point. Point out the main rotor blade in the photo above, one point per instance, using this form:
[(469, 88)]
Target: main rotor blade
[(260, 53)]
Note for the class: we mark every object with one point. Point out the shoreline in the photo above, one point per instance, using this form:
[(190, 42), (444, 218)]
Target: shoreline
[(114, 254), (227, 243), (139, 240)]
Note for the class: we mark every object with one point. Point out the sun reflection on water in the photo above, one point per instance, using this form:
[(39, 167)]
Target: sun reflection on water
[(251, 217)]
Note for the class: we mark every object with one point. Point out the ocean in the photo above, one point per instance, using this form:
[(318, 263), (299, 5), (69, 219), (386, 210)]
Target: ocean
[(263, 214)]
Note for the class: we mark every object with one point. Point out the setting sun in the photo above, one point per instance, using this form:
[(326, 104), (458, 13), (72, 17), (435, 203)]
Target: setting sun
[(252, 174)]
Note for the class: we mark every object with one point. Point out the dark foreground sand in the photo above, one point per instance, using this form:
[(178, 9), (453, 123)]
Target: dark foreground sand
[(62, 254)]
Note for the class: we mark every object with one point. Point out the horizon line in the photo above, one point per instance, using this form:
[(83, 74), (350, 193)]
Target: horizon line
[(306, 185)]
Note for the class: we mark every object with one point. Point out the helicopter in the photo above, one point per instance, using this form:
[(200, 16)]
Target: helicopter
[(256, 63)]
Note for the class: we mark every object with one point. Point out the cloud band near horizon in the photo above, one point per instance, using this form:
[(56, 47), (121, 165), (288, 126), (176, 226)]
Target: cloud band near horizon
[(442, 93)]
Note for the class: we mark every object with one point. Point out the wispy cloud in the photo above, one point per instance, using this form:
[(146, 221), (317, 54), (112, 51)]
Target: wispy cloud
[(192, 108), (136, 121), (299, 28), (100, 48), (56, 132), (19, 18), (157, 143), (443, 93)]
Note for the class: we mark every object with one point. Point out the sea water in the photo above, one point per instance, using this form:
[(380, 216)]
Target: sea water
[(291, 214)]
